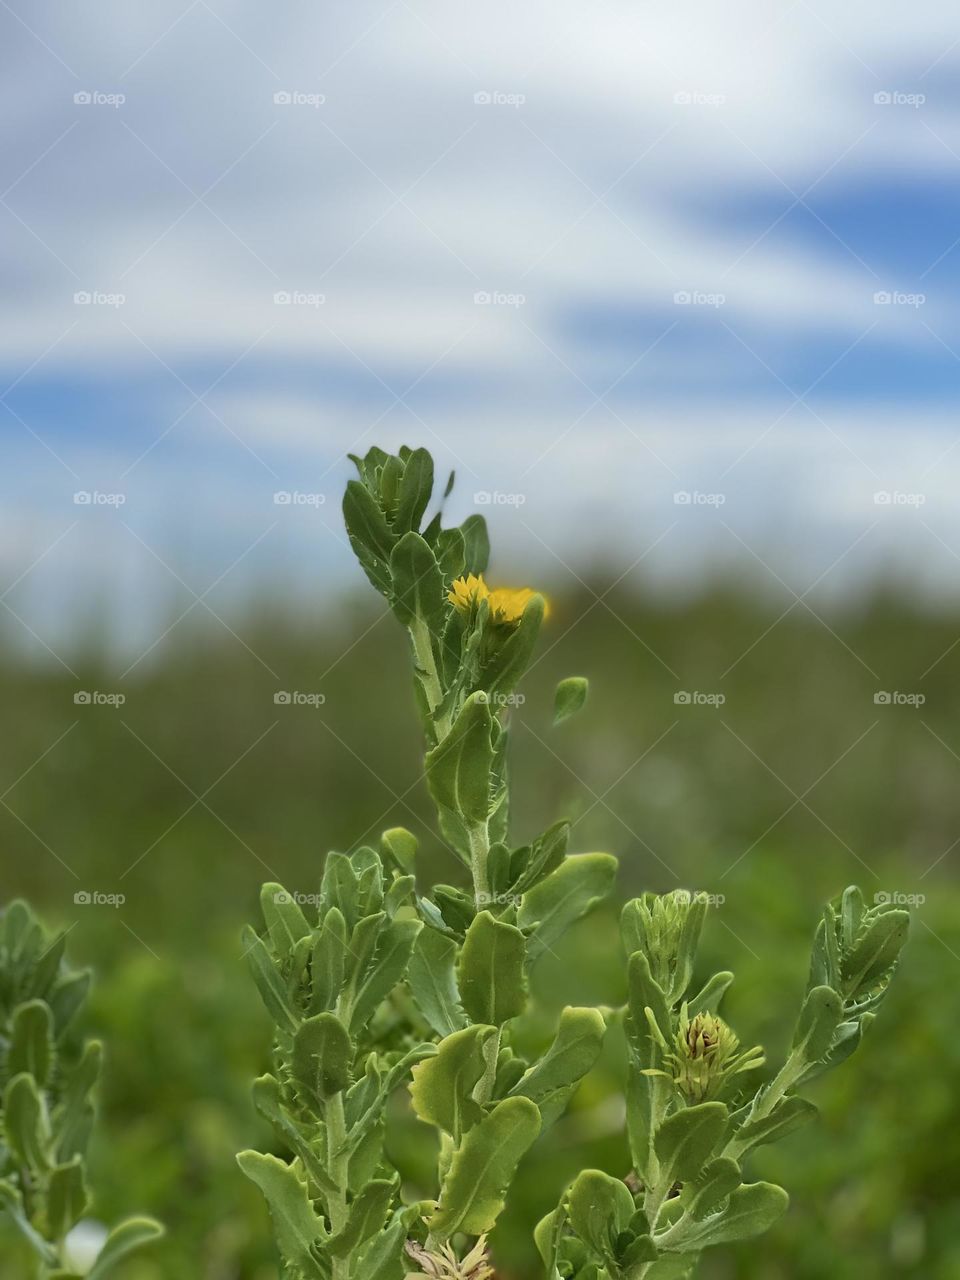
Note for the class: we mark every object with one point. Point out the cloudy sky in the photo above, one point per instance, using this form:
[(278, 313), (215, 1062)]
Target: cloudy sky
[(598, 257)]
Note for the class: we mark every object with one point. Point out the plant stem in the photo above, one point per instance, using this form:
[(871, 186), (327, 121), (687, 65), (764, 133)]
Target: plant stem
[(338, 1167), (427, 665), (479, 852)]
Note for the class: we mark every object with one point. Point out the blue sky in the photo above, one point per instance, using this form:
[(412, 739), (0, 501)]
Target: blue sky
[(682, 219)]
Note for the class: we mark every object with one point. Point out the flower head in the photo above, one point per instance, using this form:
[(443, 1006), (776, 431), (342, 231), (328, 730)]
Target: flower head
[(445, 1265), (506, 603), (705, 1056)]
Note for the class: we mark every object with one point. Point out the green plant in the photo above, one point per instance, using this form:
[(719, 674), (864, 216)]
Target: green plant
[(47, 1112), (391, 985)]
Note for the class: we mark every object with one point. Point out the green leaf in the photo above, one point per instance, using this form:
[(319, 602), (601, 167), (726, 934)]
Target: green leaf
[(473, 1191), (322, 1054), (577, 885), (569, 698), (26, 1122), (433, 982), (511, 657), (572, 1054), (270, 984), (369, 534), (394, 949), (708, 998), (11, 1202), (752, 1209), (528, 867), (75, 1113), (458, 769), (417, 584), (31, 1041), (599, 1209), (491, 971), (476, 544), (66, 1197), (286, 923), (687, 1139), (122, 1240), (401, 845), (443, 1085), (790, 1114), (268, 1100), (326, 964), (366, 1216), (719, 1179), (548, 1237), (876, 952), (413, 494), (819, 1018), (296, 1226)]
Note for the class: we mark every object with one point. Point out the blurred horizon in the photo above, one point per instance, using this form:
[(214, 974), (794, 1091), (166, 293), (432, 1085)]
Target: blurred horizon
[(592, 257)]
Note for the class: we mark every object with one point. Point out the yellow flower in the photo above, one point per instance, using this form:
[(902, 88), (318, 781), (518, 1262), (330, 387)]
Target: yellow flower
[(506, 603)]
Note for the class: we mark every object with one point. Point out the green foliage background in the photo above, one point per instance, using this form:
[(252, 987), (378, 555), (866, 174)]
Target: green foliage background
[(700, 796)]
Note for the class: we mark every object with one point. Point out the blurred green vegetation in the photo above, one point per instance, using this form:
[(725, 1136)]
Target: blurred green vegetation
[(200, 786)]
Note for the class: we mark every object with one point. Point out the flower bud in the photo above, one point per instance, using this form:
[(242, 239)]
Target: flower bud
[(667, 929), (706, 1056), (444, 1264)]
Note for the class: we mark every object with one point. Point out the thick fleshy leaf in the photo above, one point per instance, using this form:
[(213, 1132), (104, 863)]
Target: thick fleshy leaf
[(569, 698), (491, 977), (297, 1227), (322, 1054), (443, 1085), (578, 884), (572, 1054), (687, 1139), (751, 1210), (473, 1191), (366, 1216), (123, 1240), (458, 769), (286, 923), (819, 1018), (418, 594), (31, 1041), (599, 1209), (433, 982)]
